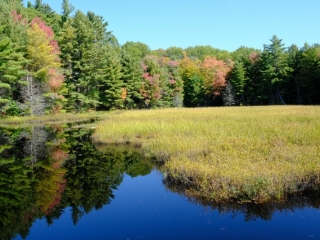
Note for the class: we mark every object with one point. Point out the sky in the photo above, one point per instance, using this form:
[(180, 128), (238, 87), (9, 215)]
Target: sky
[(223, 24)]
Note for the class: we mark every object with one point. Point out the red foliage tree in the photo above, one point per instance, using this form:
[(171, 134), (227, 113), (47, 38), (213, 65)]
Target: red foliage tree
[(215, 73), (18, 17), (49, 34)]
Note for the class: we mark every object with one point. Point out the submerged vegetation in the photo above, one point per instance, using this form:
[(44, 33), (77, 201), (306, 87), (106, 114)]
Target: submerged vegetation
[(247, 154)]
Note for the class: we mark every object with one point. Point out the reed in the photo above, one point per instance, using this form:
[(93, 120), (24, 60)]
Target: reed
[(244, 153)]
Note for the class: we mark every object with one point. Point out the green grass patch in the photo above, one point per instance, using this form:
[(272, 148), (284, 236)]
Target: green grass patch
[(244, 153)]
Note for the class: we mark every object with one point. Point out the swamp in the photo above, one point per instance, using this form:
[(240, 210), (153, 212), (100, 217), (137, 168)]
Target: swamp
[(231, 173), (107, 138)]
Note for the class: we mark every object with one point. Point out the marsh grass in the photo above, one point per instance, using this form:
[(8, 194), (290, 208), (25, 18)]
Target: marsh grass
[(243, 153)]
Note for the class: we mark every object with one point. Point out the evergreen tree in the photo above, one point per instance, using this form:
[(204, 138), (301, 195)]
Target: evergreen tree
[(13, 25), (292, 86), (99, 27), (66, 40), (67, 9), (113, 42), (194, 93), (11, 70), (310, 74), (84, 53), (45, 12), (113, 94), (131, 75), (12, 61), (275, 69), (239, 79), (4, 87), (254, 90), (82, 56)]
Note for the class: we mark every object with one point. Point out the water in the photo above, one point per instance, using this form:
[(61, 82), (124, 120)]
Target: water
[(144, 209), (102, 193)]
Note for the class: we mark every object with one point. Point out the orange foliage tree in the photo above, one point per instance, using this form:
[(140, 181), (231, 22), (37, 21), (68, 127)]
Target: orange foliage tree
[(215, 73)]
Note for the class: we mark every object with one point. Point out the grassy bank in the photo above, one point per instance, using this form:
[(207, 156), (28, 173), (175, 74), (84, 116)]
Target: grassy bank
[(245, 153), (51, 119)]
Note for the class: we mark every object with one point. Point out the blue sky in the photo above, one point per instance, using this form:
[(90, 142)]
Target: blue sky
[(223, 24)]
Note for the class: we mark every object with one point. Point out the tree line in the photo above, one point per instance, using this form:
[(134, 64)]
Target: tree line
[(69, 62)]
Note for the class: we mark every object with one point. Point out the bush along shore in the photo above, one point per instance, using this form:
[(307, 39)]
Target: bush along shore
[(240, 153)]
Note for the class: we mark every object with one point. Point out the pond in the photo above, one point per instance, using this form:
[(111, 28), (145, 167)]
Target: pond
[(56, 184)]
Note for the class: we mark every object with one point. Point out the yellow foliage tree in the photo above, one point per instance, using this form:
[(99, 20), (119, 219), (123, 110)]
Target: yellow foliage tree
[(40, 51), (44, 75)]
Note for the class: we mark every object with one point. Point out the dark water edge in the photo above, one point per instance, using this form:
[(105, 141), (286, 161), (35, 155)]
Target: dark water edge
[(143, 208)]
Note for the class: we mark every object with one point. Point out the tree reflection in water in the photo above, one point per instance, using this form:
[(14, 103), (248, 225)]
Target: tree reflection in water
[(43, 170)]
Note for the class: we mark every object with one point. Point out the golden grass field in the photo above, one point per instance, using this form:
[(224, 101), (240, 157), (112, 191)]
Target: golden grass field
[(242, 153)]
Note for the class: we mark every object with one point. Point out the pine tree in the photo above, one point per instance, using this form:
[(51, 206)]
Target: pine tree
[(255, 93), (77, 57), (4, 87), (292, 86), (12, 60), (113, 94), (67, 9), (310, 71), (131, 75), (275, 69), (194, 93), (67, 43), (11, 70), (84, 54), (45, 12), (239, 79)]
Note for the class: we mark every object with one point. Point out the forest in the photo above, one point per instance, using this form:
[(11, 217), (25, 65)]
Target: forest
[(69, 62)]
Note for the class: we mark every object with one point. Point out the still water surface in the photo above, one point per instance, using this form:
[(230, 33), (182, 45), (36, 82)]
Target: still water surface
[(82, 191), (144, 209)]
